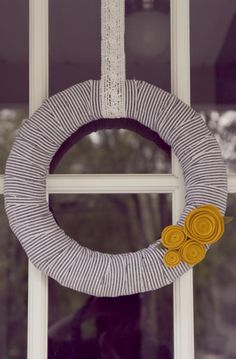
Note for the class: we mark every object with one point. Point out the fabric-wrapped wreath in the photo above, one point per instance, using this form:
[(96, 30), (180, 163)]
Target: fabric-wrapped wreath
[(101, 274)]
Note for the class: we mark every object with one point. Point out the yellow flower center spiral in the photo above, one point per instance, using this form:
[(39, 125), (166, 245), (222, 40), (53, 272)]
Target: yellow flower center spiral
[(173, 237), (204, 224), (171, 258), (192, 252)]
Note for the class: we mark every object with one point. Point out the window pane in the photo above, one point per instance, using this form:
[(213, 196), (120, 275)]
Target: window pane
[(13, 72), (222, 123), (13, 109), (11, 117), (213, 76), (13, 293), (75, 42), (93, 327), (75, 56), (14, 43), (113, 151), (215, 296), (147, 41), (213, 70)]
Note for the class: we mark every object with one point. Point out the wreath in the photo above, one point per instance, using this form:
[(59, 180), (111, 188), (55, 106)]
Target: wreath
[(182, 245)]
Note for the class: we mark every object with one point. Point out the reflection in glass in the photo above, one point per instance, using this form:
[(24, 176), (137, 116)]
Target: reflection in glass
[(14, 71), (14, 82), (147, 41), (13, 293), (137, 326), (113, 223), (213, 70), (75, 42), (223, 124), (213, 75), (11, 117), (116, 150), (14, 52), (215, 296)]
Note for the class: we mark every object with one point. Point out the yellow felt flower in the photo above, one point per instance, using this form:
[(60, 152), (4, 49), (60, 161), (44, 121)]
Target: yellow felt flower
[(171, 258), (192, 252), (172, 237), (205, 224)]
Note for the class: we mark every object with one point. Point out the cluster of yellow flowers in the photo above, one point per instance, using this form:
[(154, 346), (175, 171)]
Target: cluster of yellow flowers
[(203, 225)]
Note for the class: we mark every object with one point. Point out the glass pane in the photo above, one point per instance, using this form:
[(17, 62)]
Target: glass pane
[(147, 41), (14, 72), (75, 56), (89, 327), (13, 109), (215, 296), (113, 151), (11, 117), (75, 42), (13, 293), (223, 124), (213, 70)]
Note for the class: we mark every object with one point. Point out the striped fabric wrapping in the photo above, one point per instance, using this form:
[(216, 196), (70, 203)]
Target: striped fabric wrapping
[(47, 246)]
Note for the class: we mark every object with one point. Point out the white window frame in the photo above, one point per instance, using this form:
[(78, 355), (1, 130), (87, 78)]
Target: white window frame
[(183, 319)]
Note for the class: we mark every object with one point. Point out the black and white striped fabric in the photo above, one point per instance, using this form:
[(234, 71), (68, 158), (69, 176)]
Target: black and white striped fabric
[(47, 246)]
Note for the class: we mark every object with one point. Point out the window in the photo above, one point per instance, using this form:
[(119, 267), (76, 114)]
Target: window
[(127, 199), (13, 110), (213, 94)]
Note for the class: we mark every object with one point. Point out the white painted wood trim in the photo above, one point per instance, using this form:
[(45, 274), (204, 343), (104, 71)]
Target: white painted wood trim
[(38, 91), (38, 53), (180, 84), (37, 314), (121, 183), (232, 183), (111, 183)]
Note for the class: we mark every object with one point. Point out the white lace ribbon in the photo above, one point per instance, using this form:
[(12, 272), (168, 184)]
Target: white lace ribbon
[(113, 58)]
